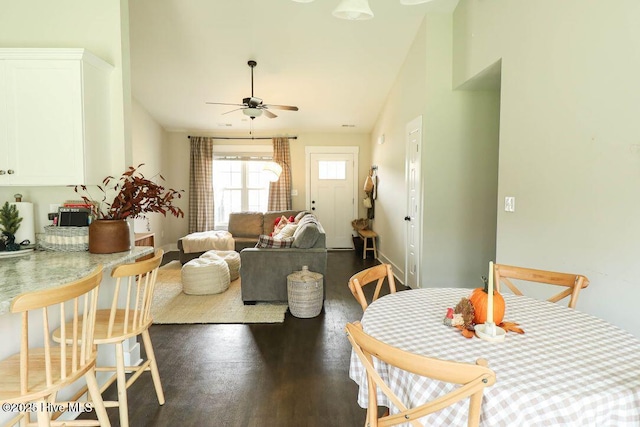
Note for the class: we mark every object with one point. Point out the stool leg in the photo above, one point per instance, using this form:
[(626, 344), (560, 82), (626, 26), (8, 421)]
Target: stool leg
[(121, 380), (155, 374), (96, 398), (375, 249), (364, 250)]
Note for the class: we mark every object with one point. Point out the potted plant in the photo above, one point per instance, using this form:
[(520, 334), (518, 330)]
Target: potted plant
[(130, 196), (9, 224)]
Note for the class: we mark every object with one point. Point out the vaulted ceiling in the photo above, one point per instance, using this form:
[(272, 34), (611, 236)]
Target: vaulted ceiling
[(338, 72)]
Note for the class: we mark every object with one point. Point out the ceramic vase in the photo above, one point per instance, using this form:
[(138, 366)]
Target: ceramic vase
[(107, 236)]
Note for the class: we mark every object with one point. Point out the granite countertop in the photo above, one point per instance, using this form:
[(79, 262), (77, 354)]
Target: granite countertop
[(41, 269)]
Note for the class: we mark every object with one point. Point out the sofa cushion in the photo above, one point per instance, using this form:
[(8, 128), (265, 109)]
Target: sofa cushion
[(265, 241), (246, 224)]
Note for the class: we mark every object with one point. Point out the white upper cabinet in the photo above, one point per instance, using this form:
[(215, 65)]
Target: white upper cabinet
[(54, 117)]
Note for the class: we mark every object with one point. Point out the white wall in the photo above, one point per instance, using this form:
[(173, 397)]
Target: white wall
[(405, 102), (95, 25), (458, 168), (569, 147), (147, 147)]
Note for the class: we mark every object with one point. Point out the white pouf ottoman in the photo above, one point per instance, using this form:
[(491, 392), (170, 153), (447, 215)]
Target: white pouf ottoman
[(232, 258), (203, 276)]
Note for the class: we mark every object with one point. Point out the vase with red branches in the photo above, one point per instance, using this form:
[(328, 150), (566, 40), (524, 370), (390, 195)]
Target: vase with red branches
[(129, 196)]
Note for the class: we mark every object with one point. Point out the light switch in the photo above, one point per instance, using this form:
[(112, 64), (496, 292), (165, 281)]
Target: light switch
[(294, 192), (510, 204)]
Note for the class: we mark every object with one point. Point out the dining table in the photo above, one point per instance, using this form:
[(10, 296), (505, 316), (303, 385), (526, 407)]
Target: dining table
[(568, 368)]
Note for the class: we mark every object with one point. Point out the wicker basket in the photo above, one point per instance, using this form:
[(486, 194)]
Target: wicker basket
[(360, 224), (305, 292), (64, 239)]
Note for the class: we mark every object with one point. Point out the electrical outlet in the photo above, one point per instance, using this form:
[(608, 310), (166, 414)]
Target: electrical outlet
[(510, 204)]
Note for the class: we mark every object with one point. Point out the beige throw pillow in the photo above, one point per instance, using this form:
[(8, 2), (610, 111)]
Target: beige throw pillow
[(287, 231)]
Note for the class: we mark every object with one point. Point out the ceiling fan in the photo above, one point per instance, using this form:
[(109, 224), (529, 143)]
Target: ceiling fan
[(252, 106)]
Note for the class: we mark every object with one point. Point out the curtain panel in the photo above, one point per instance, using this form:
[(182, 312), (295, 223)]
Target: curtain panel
[(201, 208), (280, 191)]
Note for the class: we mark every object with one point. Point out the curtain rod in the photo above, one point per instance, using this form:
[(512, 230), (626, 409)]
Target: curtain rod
[(248, 137)]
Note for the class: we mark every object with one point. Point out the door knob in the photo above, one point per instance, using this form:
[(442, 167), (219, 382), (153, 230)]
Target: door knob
[(2, 172), (407, 218), (313, 201), (10, 172)]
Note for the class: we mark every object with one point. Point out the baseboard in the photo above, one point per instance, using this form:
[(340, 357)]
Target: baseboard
[(398, 272)]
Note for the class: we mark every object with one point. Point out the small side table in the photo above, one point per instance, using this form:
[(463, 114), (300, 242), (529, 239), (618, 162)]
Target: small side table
[(368, 235), (145, 239)]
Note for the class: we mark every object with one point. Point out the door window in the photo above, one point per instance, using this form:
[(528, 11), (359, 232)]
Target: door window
[(332, 169)]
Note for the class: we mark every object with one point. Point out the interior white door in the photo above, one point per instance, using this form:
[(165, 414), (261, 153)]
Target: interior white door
[(413, 138), (331, 195)]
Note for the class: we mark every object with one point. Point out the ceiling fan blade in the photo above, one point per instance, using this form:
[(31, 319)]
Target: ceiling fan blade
[(268, 113), (281, 107), (235, 109), (224, 103)]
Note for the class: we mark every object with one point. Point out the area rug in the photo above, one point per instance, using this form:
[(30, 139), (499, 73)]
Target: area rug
[(172, 306)]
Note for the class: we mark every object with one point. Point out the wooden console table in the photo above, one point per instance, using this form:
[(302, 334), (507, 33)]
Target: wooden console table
[(145, 239)]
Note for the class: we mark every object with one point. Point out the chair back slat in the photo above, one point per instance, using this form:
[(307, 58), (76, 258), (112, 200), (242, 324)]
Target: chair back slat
[(138, 280), (472, 378), (375, 274), (574, 283), (62, 363)]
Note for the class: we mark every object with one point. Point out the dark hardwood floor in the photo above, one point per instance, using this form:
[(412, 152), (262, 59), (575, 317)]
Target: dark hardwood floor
[(290, 374)]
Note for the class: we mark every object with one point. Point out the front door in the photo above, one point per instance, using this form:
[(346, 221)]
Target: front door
[(331, 195), (413, 138)]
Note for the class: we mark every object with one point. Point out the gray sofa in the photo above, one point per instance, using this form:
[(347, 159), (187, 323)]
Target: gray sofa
[(245, 227), (264, 271)]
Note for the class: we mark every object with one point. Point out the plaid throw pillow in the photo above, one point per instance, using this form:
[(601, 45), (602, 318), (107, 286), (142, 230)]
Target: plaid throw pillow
[(273, 243)]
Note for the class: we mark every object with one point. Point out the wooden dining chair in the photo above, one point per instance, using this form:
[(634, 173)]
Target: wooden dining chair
[(573, 283), (472, 380), (128, 317), (373, 274), (32, 378)]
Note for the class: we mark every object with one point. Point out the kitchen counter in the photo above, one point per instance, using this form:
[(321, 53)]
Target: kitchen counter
[(41, 269)]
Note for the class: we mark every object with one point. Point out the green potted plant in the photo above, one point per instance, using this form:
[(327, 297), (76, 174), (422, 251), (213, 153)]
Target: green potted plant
[(10, 223), (130, 196)]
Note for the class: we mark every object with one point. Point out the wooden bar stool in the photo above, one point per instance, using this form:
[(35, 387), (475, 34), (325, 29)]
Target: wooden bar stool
[(368, 235), (34, 376), (124, 321)]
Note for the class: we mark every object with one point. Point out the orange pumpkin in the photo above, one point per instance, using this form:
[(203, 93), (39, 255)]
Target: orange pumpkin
[(479, 299)]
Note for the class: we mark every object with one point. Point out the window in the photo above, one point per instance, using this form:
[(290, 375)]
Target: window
[(332, 169), (238, 185)]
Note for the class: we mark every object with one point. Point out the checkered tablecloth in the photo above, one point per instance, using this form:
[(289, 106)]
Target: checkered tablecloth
[(568, 369)]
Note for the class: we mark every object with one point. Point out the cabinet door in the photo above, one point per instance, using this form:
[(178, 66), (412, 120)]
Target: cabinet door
[(44, 122), (4, 162)]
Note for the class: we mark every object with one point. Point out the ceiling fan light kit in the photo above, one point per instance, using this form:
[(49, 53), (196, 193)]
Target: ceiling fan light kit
[(252, 112), (353, 10)]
